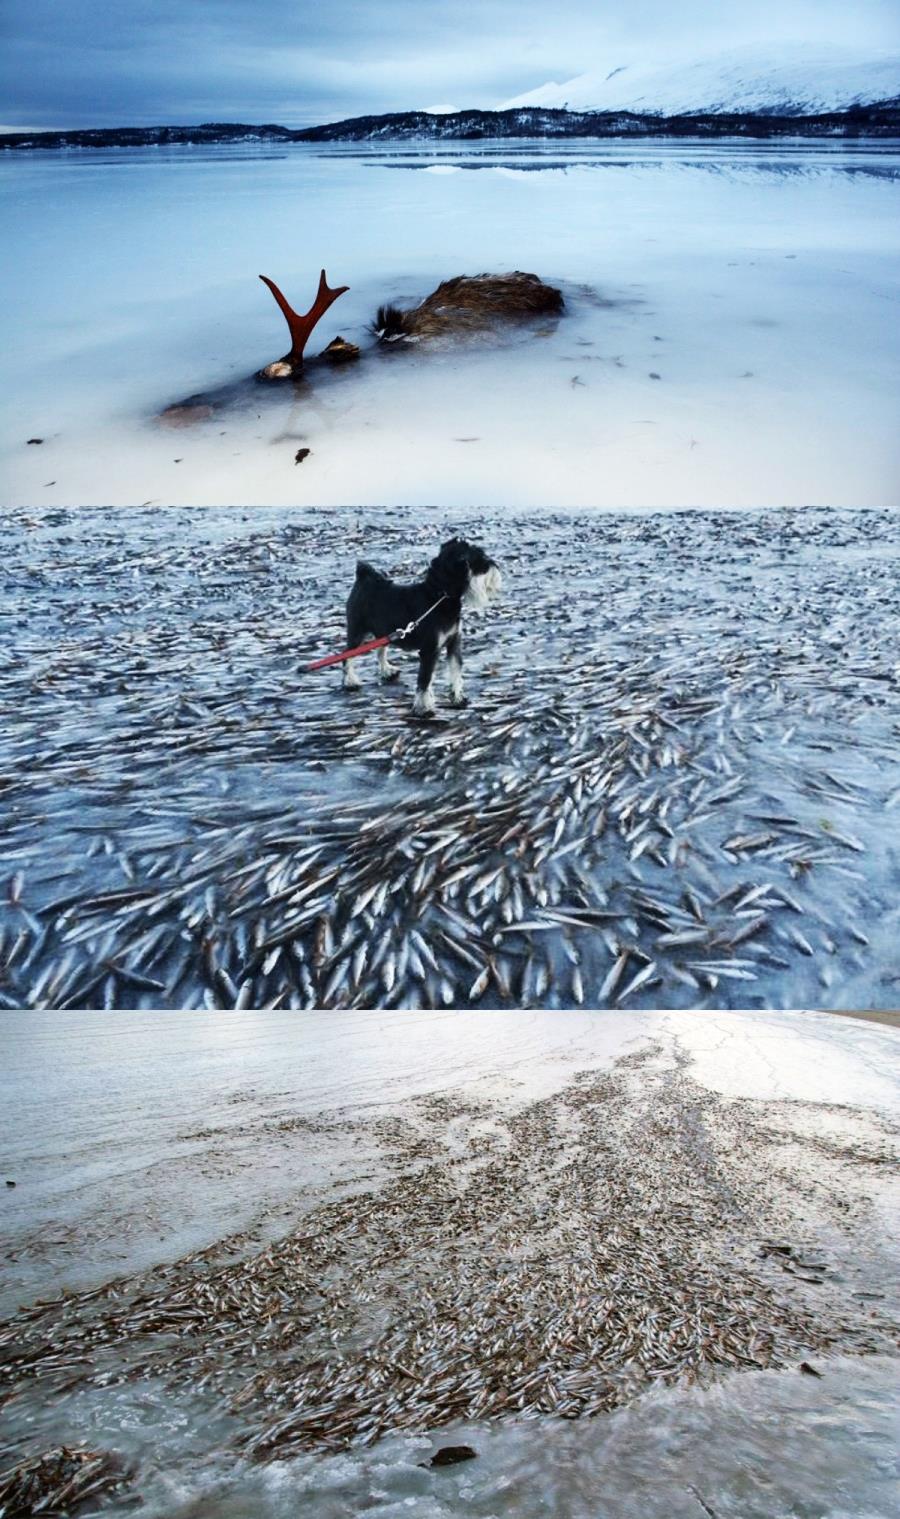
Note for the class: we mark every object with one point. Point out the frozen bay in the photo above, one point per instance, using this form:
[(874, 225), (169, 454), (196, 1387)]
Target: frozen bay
[(730, 336)]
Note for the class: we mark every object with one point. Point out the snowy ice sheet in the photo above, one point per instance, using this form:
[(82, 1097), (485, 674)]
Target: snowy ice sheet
[(731, 335), (136, 1142), (775, 1059)]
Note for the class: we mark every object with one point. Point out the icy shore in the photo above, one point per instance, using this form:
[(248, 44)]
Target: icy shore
[(615, 1248)]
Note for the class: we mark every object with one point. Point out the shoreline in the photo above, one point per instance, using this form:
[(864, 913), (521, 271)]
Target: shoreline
[(875, 122)]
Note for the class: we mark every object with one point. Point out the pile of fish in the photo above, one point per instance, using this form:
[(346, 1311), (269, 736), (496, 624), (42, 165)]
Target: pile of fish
[(462, 1289), (674, 785), (59, 1481)]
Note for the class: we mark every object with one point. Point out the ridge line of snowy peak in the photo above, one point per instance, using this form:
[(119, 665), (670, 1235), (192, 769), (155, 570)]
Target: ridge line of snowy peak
[(798, 79)]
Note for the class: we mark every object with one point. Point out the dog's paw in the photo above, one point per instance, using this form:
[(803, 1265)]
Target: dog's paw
[(389, 675), (459, 701), (351, 690)]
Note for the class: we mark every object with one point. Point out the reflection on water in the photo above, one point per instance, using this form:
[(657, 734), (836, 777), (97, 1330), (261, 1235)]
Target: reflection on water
[(879, 171), (878, 159)]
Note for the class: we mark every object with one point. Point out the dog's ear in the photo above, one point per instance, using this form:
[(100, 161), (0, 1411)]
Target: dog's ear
[(477, 560), (453, 556), (450, 568), (458, 551)]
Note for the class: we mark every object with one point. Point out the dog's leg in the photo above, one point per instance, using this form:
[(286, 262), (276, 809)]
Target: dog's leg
[(352, 681), (355, 634), (386, 670), (423, 704), (454, 670)]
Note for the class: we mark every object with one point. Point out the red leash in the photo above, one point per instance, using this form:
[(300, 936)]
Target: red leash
[(377, 643), (335, 659)]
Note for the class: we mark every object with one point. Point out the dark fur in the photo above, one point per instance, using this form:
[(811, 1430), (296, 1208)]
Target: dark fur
[(377, 606), (470, 303), (390, 323)]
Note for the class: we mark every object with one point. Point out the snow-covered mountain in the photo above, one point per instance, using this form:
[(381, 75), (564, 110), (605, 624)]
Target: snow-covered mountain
[(800, 80)]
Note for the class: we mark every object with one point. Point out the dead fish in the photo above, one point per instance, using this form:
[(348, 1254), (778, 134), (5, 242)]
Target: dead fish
[(635, 984), (479, 985)]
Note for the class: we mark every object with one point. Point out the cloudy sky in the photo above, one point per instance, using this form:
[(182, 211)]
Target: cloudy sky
[(70, 63)]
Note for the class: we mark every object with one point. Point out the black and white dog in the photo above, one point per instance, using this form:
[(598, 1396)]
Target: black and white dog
[(460, 576)]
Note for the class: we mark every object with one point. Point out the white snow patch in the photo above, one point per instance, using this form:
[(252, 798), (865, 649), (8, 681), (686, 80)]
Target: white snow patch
[(801, 79)]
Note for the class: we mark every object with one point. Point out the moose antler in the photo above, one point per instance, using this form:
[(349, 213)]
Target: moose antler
[(302, 326)]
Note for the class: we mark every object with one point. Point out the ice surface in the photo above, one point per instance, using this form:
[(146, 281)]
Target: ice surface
[(773, 1060), (700, 763), (758, 1445), (770, 1445), (133, 1145), (759, 283), (135, 1142), (97, 1100)]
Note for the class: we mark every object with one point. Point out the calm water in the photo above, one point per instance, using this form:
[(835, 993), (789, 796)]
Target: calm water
[(731, 336)]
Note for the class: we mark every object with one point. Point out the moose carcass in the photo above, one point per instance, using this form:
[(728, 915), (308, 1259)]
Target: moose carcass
[(300, 328), (469, 303), (200, 408)]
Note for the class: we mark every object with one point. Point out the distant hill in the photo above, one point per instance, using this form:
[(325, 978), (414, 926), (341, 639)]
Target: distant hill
[(148, 137), (860, 121), (877, 120)]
